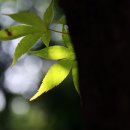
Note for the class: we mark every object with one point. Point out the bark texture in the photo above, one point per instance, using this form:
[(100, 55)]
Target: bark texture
[(100, 31)]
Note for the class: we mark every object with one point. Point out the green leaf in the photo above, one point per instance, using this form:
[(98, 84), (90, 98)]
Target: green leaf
[(62, 20), (28, 18), (16, 32), (49, 14), (56, 74), (46, 37), (47, 19), (25, 44), (75, 76), (55, 53), (66, 37)]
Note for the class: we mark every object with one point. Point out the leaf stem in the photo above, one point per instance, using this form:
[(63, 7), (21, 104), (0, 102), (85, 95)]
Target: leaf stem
[(57, 31)]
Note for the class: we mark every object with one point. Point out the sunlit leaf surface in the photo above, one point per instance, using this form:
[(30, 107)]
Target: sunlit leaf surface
[(54, 53), (56, 74)]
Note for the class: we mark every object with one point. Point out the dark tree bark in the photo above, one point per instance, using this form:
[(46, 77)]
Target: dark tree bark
[(100, 31)]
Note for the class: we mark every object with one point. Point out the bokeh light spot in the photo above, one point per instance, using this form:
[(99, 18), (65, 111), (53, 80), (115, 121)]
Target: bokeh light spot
[(2, 101), (19, 106)]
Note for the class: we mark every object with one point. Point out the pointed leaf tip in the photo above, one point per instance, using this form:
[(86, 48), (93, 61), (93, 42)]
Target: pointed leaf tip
[(75, 76), (55, 75)]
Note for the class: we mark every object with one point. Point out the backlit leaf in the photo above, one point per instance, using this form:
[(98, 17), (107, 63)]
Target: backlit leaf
[(55, 53), (56, 74), (28, 18), (25, 44), (16, 32), (49, 14), (75, 76)]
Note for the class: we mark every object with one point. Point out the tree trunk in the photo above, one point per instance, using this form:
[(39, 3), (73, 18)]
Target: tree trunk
[(100, 31)]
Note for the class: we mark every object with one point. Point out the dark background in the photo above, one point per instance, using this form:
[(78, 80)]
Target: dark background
[(100, 31)]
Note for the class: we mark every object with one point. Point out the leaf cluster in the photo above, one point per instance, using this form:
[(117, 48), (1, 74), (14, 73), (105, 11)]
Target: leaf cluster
[(33, 28)]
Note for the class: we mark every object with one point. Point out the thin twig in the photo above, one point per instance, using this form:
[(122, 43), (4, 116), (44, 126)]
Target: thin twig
[(57, 31)]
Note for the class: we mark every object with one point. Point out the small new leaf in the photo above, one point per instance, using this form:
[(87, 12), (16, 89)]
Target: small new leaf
[(55, 53), (16, 32), (56, 74), (25, 44), (75, 76)]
